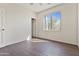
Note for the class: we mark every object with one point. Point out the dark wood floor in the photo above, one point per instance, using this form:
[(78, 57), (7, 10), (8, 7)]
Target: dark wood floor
[(39, 49)]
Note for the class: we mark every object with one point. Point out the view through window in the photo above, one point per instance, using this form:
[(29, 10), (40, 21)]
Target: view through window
[(52, 21)]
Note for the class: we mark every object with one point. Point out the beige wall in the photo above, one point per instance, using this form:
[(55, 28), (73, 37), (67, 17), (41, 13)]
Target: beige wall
[(68, 33)]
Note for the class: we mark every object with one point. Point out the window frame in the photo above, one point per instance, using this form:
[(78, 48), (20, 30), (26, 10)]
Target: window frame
[(44, 23)]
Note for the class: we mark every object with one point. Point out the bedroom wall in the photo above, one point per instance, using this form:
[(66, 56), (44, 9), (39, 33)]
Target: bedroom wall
[(18, 21), (78, 24), (68, 33)]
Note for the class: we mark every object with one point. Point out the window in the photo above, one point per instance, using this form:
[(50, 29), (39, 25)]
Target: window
[(52, 21)]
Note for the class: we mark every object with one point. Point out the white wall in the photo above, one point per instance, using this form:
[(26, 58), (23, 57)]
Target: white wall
[(68, 33), (78, 24), (17, 23)]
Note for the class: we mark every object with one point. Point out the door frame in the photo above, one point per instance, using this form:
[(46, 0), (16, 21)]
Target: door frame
[(32, 25)]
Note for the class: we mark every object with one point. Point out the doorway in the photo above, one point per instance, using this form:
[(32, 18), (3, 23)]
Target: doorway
[(33, 26)]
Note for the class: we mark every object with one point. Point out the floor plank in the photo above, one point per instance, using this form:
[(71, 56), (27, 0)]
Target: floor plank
[(39, 48)]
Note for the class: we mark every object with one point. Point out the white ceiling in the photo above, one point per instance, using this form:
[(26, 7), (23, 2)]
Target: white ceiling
[(37, 7)]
